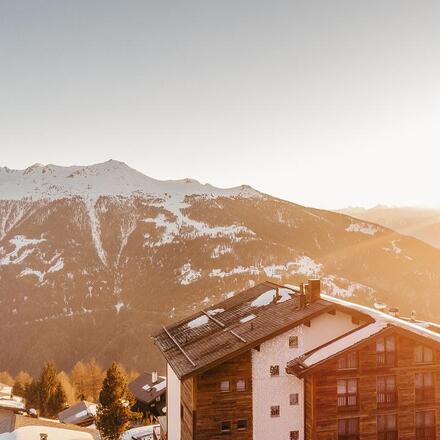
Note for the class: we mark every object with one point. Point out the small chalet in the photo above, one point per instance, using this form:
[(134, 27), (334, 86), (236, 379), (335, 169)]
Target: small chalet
[(81, 414), (149, 389), (5, 391), (283, 362)]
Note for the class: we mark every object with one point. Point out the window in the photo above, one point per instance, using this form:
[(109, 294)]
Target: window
[(386, 351), (386, 390), (294, 435), (293, 341), (241, 425), (348, 429), (225, 426), (275, 411), (347, 393), (241, 385), (424, 384), (423, 355), (349, 361), (274, 370), (425, 425), (387, 427), (294, 399), (224, 386)]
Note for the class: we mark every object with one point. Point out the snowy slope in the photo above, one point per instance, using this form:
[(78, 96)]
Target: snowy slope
[(96, 258)]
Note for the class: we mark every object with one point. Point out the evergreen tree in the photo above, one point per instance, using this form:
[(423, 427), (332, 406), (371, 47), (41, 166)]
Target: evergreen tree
[(114, 413), (32, 395), (22, 379), (78, 377), (69, 389), (95, 376), (57, 401), (47, 387)]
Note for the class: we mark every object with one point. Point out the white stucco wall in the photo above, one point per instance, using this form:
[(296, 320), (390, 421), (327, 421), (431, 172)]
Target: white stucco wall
[(173, 404), (269, 391)]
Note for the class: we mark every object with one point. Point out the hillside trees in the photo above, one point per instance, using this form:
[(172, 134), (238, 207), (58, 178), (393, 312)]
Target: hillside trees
[(21, 381)]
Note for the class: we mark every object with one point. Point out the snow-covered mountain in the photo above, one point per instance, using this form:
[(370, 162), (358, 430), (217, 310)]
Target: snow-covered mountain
[(94, 259)]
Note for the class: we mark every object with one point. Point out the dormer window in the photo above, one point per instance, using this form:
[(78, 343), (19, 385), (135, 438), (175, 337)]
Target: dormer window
[(423, 355), (386, 351)]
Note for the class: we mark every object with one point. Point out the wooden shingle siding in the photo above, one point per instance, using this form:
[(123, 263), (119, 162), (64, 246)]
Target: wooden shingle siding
[(213, 406), (320, 387), (187, 392)]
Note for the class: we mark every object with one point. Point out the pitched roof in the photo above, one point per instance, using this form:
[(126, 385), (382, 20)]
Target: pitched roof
[(234, 326), (145, 390), (382, 322), (78, 414)]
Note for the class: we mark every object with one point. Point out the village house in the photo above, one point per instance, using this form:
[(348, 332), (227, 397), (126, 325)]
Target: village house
[(290, 363), (149, 390), (82, 413)]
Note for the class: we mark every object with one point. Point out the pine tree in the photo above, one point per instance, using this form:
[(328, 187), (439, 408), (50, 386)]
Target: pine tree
[(57, 401), (47, 386), (114, 413), (22, 379), (95, 376), (78, 377), (32, 395), (69, 389)]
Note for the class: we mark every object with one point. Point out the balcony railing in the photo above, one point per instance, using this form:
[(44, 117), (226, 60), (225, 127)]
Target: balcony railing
[(388, 435), (347, 401), (425, 394), (386, 358), (387, 398), (425, 433)]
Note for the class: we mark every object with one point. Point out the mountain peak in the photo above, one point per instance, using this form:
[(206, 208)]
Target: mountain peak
[(110, 178)]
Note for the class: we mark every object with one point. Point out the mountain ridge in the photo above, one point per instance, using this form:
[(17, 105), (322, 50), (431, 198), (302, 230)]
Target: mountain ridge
[(97, 275)]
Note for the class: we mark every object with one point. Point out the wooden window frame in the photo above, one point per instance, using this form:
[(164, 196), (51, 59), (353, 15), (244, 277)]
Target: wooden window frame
[(294, 435), (425, 432), (275, 411), (344, 364), (241, 389), (346, 434), (424, 349), (347, 401), (424, 394), (293, 341), (386, 358), (274, 371), (225, 430), (229, 386), (293, 401), (387, 433), (386, 398), (245, 423)]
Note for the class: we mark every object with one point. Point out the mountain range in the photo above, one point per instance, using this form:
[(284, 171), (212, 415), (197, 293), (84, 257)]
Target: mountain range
[(418, 222), (94, 259)]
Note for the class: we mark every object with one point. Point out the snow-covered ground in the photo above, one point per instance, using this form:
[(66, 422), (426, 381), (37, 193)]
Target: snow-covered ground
[(33, 433)]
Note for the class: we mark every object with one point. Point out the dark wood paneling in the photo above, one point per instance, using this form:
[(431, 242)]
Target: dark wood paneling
[(321, 409), (213, 406)]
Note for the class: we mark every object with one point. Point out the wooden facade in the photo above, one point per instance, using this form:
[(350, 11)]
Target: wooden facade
[(322, 413), (207, 410)]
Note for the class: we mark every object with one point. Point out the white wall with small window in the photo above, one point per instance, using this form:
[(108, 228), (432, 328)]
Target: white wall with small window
[(278, 398)]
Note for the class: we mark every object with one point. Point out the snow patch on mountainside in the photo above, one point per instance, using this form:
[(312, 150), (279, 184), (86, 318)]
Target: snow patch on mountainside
[(394, 248), (221, 249), (362, 228), (343, 288), (188, 275), (19, 242)]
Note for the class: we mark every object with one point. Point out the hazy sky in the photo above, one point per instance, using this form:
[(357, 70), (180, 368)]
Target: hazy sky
[(325, 103)]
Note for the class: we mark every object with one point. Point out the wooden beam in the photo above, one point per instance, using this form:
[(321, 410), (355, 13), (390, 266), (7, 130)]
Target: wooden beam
[(237, 336), (179, 347), (214, 319)]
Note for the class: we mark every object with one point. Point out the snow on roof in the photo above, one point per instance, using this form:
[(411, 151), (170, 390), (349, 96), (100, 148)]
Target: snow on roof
[(11, 403), (141, 432), (381, 321), (33, 433)]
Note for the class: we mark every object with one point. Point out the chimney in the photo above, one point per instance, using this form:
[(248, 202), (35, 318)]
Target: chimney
[(314, 289), (302, 296), (154, 377), (394, 311)]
